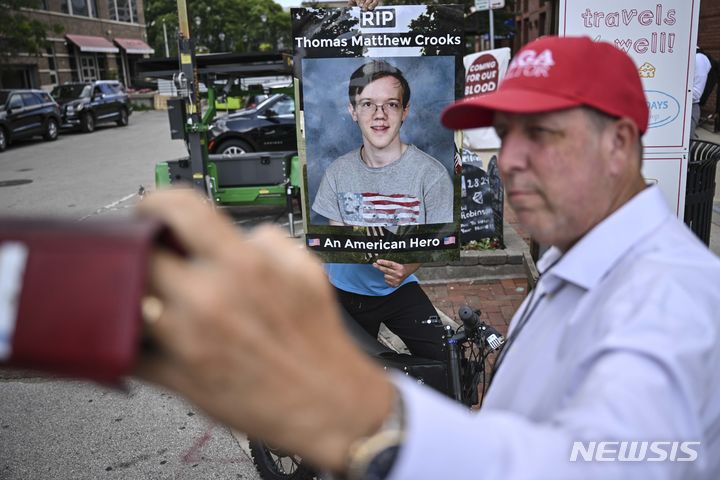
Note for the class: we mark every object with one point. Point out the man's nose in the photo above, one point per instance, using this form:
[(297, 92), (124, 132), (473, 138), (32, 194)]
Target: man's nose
[(513, 154), (380, 111)]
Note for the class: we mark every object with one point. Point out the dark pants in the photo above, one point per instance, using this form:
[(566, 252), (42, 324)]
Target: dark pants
[(405, 312)]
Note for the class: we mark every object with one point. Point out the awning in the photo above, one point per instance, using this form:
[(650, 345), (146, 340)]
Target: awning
[(134, 46), (87, 43)]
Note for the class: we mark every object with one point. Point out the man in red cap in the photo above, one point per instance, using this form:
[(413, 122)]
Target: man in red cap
[(610, 367), (554, 114)]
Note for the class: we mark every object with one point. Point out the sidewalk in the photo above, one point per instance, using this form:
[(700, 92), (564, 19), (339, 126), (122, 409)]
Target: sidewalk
[(493, 281)]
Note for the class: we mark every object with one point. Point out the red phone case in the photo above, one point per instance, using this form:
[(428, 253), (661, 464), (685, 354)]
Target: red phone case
[(78, 313)]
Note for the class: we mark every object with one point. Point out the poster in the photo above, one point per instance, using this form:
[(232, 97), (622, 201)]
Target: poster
[(483, 73), (660, 36), (481, 211), (481, 215), (381, 174)]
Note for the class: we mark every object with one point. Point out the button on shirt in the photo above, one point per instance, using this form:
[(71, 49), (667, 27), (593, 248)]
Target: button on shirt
[(623, 345)]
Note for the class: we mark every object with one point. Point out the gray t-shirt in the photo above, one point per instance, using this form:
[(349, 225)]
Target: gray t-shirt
[(414, 189)]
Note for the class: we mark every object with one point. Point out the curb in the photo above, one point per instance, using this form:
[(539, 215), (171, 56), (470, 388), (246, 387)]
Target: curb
[(482, 265)]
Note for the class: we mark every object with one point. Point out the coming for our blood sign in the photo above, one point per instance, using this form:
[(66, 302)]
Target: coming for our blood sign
[(482, 75), (483, 72), (660, 36)]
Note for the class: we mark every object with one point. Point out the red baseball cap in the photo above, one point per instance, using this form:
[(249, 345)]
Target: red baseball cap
[(555, 73)]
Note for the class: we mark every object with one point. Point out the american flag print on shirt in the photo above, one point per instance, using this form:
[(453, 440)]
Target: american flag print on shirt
[(370, 208)]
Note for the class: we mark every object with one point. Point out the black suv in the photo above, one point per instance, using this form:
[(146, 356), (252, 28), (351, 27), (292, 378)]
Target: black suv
[(26, 113), (268, 127), (87, 104)]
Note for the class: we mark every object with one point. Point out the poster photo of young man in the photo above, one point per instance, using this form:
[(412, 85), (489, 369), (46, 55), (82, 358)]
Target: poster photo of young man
[(381, 172), (385, 178)]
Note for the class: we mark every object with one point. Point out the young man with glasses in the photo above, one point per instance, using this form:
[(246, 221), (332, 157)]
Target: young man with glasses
[(385, 182)]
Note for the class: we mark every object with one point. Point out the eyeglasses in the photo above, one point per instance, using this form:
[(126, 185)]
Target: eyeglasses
[(366, 107)]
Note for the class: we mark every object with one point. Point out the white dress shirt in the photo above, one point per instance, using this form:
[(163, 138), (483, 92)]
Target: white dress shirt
[(623, 345), (702, 68)]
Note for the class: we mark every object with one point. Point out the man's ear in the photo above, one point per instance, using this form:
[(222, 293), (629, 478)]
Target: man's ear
[(406, 112), (353, 113), (622, 145)]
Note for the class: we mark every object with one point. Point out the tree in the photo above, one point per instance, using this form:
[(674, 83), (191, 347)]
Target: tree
[(247, 26), (476, 22), (21, 34)]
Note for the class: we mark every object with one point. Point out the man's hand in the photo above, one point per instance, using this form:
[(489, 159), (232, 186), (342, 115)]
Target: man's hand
[(364, 4), (395, 273), (247, 328)]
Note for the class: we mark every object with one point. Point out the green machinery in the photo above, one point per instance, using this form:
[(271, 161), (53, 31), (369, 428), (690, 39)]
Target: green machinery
[(260, 178)]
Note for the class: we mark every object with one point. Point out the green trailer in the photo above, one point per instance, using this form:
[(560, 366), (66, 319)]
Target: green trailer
[(251, 179)]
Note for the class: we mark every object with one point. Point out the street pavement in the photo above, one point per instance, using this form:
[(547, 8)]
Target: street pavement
[(51, 429), (74, 430), (84, 175)]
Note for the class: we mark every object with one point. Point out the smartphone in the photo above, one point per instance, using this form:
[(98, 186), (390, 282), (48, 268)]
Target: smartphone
[(70, 294)]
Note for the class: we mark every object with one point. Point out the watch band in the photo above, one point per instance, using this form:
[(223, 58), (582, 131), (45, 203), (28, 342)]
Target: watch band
[(372, 458)]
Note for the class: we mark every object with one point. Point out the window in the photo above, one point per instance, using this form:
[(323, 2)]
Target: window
[(285, 107), (51, 58), (106, 89), (83, 8), (124, 14), (101, 66), (74, 69), (15, 102), (123, 10), (52, 65), (88, 67), (45, 97), (31, 100), (80, 7)]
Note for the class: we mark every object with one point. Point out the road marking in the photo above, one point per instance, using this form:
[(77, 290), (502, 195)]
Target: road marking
[(109, 206)]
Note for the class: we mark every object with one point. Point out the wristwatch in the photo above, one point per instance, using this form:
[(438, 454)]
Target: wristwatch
[(372, 458)]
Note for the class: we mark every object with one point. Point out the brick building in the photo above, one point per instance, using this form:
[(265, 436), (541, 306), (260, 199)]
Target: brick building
[(102, 39), (534, 19)]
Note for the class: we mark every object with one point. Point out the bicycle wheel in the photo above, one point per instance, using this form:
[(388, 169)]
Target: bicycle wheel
[(273, 464)]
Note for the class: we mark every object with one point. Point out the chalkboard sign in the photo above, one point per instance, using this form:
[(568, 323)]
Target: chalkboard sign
[(481, 214)]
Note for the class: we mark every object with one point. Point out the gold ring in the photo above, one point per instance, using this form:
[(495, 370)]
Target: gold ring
[(152, 309)]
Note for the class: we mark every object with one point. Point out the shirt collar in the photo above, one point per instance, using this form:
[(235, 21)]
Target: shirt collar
[(587, 262)]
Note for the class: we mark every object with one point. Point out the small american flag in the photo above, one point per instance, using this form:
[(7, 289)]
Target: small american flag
[(369, 208), (313, 242), (449, 240)]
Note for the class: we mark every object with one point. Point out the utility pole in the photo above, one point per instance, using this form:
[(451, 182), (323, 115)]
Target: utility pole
[(167, 49), (188, 80), (492, 29)]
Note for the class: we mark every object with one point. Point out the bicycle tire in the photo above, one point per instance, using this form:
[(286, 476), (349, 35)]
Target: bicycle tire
[(273, 464)]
